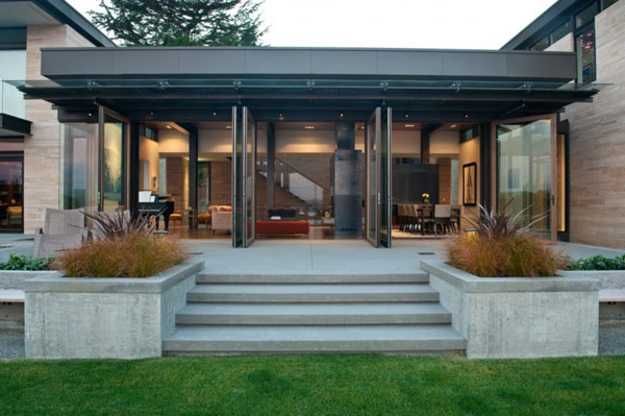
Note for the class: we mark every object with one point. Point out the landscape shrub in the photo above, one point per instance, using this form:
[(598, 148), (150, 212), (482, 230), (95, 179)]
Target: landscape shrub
[(503, 247), (17, 262), (130, 255), (599, 263)]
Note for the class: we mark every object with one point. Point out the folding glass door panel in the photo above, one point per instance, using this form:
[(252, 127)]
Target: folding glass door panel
[(385, 179), (113, 142), (378, 194), (373, 132), (243, 177), (527, 171)]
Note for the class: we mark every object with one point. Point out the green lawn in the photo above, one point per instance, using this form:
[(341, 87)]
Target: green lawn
[(315, 385)]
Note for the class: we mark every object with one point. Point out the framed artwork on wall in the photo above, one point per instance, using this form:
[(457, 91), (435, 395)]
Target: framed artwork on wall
[(469, 184)]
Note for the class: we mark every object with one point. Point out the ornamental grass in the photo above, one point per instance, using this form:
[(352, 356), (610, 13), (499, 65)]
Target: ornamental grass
[(130, 255), (503, 247)]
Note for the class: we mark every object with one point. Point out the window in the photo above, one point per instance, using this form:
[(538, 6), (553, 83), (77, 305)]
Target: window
[(560, 32), (607, 3), (11, 191), (586, 65), (524, 169), (586, 16), (541, 45), (79, 164)]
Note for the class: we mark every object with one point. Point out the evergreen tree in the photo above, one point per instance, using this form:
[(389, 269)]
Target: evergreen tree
[(181, 22)]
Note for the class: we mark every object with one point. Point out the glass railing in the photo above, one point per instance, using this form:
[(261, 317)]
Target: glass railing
[(313, 197), (11, 100)]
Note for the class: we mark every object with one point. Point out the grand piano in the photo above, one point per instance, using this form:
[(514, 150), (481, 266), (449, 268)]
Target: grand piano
[(155, 205)]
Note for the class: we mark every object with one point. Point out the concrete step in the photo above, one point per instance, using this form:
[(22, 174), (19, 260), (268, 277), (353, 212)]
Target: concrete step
[(271, 339), (313, 314), (418, 277), (303, 293)]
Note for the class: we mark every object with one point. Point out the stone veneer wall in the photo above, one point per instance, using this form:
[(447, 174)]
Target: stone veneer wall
[(597, 142), (42, 149)]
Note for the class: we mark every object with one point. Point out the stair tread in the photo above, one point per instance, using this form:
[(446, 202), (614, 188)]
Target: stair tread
[(287, 334), (311, 288), (304, 278), (313, 309)]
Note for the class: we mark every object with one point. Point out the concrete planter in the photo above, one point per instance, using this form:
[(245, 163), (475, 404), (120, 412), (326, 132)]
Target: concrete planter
[(15, 279), (104, 317), (520, 317), (608, 279)]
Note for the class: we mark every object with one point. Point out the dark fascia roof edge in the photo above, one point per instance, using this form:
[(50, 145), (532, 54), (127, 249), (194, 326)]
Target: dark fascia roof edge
[(15, 124), (306, 62), (65, 13), (540, 22)]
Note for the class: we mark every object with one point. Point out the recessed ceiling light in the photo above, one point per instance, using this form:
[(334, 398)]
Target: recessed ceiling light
[(309, 127), (341, 115), (409, 126)]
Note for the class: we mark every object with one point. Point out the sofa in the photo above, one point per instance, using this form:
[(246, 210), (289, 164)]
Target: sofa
[(220, 218), (282, 227)]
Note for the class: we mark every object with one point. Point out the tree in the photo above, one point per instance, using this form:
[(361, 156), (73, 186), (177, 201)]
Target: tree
[(181, 22)]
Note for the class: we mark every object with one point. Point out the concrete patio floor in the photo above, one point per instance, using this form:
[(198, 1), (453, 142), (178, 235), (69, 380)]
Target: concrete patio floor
[(336, 256)]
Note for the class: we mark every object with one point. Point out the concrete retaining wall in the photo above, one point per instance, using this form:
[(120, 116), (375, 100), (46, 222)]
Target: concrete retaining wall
[(104, 317), (520, 317)]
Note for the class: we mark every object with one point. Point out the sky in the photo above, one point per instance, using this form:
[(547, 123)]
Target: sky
[(455, 24)]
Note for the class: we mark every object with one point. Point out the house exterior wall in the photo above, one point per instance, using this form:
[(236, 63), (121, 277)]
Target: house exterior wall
[(42, 149), (597, 142)]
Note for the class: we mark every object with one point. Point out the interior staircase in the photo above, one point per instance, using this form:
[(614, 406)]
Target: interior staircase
[(313, 313)]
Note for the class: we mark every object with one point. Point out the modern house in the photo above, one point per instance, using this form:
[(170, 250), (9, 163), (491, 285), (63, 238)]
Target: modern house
[(252, 143)]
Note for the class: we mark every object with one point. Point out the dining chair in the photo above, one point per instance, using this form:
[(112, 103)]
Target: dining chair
[(442, 216)]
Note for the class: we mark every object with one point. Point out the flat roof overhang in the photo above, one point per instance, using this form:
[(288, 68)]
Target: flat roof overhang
[(87, 63), (13, 127), (186, 83)]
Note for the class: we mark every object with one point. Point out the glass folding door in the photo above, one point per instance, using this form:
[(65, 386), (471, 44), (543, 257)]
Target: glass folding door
[(243, 177), (113, 142), (378, 226), (527, 171)]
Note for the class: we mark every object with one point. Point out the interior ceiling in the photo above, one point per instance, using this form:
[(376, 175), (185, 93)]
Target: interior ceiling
[(23, 13)]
